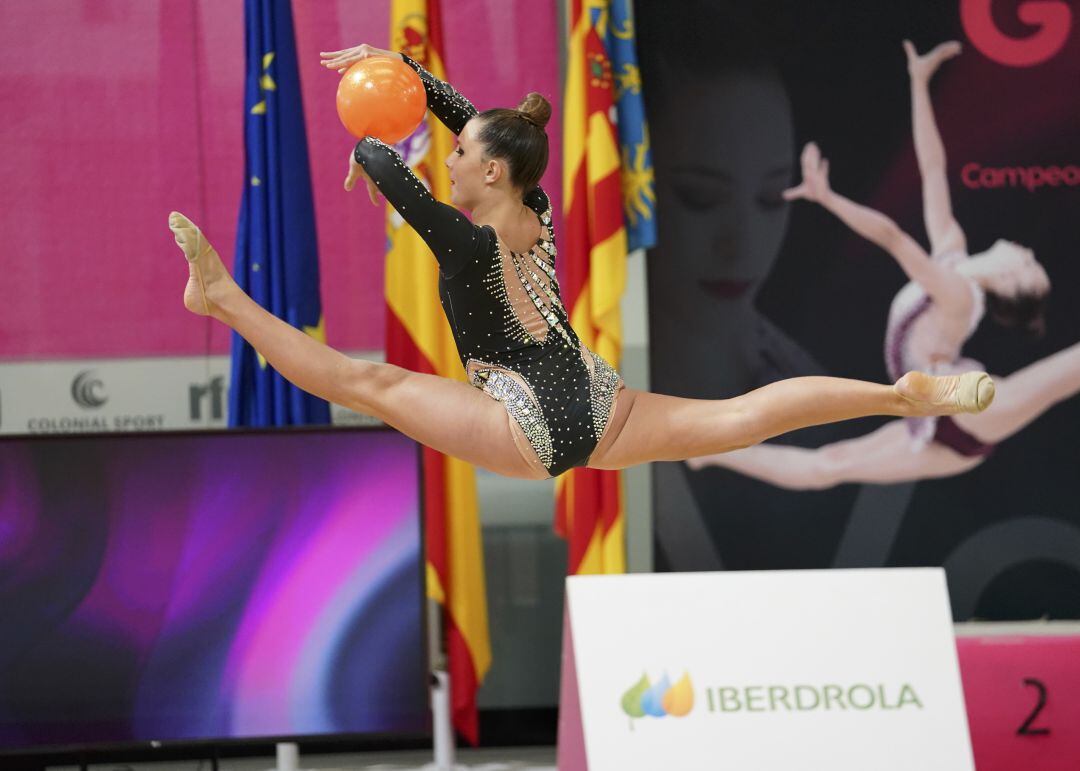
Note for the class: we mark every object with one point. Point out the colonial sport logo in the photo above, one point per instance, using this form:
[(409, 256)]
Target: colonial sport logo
[(1052, 20), (644, 699), (85, 390)]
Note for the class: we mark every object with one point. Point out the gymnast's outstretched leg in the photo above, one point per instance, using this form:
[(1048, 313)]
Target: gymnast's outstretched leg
[(446, 415), (458, 420), (650, 427)]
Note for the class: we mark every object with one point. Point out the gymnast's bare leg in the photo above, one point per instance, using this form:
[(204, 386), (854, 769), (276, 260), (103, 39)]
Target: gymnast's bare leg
[(459, 420)]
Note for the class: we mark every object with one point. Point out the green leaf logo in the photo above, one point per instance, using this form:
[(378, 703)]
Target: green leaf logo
[(631, 700)]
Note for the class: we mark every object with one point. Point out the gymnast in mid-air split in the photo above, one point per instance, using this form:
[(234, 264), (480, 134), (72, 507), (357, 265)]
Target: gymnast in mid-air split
[(930, 320), (538, 402)]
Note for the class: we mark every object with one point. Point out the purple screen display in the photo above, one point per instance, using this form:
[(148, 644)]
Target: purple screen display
[(209, 586)]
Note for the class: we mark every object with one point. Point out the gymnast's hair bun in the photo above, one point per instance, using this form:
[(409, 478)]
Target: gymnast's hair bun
[(535, 109)]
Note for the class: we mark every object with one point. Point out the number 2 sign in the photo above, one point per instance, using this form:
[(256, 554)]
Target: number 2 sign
[(1023, 701)]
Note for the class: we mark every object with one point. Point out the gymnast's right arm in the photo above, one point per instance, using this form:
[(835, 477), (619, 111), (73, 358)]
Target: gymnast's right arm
[(447, 232)]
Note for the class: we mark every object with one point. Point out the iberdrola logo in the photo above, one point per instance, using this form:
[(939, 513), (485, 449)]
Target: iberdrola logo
[(645, 699)]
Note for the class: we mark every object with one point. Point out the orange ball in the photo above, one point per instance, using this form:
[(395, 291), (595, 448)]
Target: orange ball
[(381, 97)]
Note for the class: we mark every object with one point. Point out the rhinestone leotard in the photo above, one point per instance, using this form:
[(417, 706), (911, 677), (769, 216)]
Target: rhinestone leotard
[(505, 309)]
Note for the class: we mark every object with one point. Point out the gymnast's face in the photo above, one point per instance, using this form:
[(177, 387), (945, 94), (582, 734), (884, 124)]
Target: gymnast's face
[(723, 158), (1009, 270), (468, 167)]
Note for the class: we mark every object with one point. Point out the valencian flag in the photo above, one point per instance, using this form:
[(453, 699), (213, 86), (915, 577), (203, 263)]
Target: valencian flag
[(277, 260), (418, 338), (608, 202), (639, 199)]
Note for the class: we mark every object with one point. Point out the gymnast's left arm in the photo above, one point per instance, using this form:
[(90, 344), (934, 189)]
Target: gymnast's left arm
[(444, 101)]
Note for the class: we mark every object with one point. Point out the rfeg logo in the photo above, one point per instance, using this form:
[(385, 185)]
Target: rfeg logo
[(646, 699), (1051, 18)]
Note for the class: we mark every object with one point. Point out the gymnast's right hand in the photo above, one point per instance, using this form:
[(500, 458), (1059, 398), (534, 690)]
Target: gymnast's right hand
[(815, 171), (356, 171), (345, 58)]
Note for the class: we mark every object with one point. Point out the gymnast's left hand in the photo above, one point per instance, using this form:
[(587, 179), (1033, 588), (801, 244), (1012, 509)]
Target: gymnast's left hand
[(356, 171)]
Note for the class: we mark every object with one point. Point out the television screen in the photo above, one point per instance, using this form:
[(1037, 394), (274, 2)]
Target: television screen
[(217, 585)]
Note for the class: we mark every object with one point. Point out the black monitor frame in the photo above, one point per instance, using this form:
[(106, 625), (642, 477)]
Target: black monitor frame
[(38, 758)]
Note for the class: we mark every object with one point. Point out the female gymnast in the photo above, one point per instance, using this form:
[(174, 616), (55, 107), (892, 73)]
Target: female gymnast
[(539, 402), (930, 320)]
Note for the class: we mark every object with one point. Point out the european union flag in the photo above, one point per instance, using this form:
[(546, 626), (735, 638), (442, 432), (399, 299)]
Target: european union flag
[(277, 259), (639, 197)]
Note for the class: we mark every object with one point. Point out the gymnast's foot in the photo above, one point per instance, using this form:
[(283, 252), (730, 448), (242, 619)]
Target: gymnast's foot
[(207, 277), (947, 395), (923, 67)]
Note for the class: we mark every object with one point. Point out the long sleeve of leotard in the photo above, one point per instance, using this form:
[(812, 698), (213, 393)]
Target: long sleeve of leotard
[(454, 110), (447, 232), (444, 101)]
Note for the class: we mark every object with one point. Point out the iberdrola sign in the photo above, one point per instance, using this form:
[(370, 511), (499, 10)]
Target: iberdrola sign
[(809, 698), (772, 670)]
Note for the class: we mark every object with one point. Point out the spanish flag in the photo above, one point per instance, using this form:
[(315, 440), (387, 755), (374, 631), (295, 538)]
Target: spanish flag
[(607, 183), (418, 338)]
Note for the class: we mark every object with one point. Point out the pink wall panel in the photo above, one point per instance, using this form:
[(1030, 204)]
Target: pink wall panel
[(117, 111)]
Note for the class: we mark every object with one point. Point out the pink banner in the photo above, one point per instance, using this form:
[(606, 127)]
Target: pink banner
[(118, 112)]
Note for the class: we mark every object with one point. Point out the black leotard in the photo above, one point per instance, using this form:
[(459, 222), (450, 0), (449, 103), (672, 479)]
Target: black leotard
[(505, 310)]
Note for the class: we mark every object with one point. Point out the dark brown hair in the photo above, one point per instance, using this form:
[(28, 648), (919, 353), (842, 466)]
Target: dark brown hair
[(1026, 312), (518, 137)]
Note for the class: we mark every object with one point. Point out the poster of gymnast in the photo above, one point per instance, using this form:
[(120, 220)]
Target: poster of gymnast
[(858, 191)]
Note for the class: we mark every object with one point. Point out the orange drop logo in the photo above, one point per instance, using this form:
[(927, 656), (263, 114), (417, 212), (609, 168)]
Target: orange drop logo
[(679, 699)]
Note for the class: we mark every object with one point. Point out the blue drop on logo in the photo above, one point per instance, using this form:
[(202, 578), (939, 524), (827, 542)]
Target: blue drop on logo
[(652, 701)]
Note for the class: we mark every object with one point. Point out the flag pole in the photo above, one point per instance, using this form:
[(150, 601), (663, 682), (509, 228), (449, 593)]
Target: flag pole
[(441, 718)]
